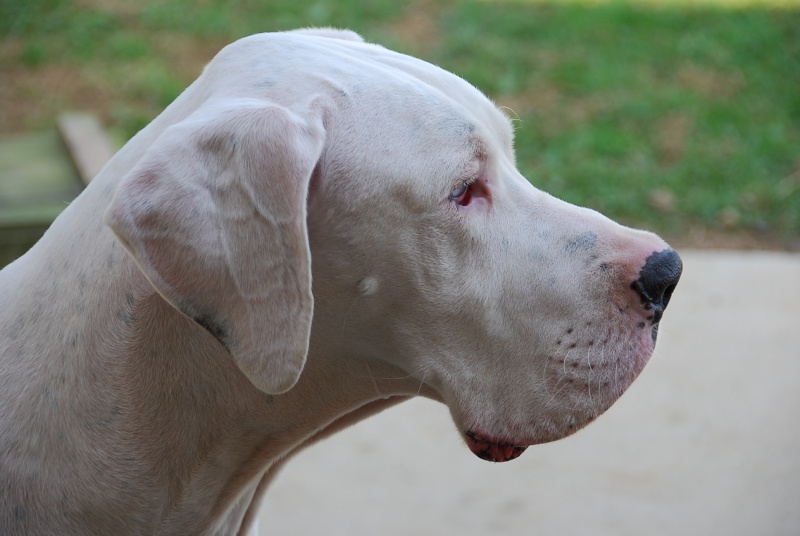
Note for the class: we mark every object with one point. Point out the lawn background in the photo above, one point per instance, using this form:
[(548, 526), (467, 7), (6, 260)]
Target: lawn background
[(681, 117)]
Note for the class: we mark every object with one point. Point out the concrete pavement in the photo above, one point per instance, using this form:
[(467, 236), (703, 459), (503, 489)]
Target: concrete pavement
[(706, 442)]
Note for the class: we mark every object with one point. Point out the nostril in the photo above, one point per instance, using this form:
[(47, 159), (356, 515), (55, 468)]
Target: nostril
[(657, 280), (668, 293)]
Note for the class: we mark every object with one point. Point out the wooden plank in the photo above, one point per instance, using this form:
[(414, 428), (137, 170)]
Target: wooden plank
[(87, 143), (36, 180)]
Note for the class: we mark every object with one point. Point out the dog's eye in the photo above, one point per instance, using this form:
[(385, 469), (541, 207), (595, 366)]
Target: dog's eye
[(459, 190), (467, 191)]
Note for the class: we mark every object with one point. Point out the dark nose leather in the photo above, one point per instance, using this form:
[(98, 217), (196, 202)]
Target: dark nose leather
[(657, 280)]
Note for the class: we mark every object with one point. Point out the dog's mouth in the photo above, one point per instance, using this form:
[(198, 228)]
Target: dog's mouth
[(492, 450)]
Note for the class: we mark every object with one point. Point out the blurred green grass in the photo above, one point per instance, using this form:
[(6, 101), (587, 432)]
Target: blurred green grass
[(671, 116)]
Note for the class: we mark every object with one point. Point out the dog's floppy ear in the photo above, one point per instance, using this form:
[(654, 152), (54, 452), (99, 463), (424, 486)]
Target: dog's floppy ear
[(215, 216)]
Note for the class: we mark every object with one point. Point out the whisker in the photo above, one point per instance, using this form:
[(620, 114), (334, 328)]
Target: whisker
[(372, 377), (421, 382)]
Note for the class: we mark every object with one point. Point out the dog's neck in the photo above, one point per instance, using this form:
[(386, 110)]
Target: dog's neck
[(203, 419), (152, 393)]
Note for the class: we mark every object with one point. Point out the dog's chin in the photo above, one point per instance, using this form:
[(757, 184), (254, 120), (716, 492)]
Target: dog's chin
[(492, 450), (503, 449), (584, 392)]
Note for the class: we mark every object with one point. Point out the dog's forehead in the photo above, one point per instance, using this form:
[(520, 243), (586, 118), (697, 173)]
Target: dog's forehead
[(293, 68)]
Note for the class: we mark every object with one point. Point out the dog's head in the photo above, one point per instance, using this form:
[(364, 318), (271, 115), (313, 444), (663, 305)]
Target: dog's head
[(526, 315)]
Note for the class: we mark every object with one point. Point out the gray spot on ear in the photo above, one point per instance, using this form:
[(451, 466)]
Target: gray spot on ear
[(216, 327)]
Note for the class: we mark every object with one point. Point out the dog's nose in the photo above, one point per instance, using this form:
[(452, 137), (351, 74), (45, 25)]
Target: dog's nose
[(657, 280)]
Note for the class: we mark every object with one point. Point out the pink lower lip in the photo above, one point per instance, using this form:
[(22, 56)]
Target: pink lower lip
[(492, 450)]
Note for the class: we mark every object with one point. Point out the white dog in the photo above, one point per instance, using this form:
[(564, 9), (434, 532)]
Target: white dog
[(164, 347)]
